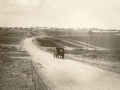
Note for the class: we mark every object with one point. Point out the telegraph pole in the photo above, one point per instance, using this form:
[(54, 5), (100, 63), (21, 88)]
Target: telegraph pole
[(37, 28), (87, 41), (56, 33), (45, 33), (90, 35), (70, 32)]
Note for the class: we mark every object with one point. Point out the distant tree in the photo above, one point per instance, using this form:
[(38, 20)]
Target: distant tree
[(15, 27), (0, 28), (90, 32), (7, 28), (26, 28), (21, 27)]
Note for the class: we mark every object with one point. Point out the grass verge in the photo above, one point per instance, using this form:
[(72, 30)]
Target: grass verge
[(17, 71)]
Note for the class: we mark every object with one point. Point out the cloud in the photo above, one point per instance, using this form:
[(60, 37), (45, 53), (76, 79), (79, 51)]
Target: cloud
[(17, 12), (66, 13), (23, 3), (29, 3), (20, 6)]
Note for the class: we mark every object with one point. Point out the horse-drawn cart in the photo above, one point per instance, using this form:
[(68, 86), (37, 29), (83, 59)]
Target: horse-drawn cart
[(59, 52)]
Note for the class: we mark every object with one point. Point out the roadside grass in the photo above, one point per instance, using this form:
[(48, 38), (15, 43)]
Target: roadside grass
[(51, 42), (9, 37), (15, 73), (46, 42), (16, 68)]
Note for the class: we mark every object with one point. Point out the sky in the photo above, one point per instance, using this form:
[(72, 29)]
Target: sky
[(104, 14)]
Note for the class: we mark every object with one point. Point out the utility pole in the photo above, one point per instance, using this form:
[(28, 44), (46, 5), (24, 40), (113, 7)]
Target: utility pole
[(33, 27), (70, 32), (37, 28), (56, 33), (45, 33), (87, 42), (90, 36)]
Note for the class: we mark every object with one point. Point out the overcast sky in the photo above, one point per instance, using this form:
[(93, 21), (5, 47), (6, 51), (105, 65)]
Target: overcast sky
[(61, 13)]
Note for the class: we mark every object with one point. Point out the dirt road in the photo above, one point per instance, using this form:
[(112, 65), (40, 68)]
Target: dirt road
[(66, 74)]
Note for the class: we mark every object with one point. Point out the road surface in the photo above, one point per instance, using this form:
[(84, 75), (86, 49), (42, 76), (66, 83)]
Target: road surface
[(66, 74)]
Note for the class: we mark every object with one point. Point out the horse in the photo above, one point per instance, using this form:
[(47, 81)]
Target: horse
[(61, 53)]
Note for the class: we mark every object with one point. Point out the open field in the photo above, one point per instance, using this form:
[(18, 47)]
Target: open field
[(105, 59), (105, 40), (16, 67), (110, 41)]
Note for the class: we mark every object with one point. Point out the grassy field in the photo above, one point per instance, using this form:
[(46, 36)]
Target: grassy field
[(105, 40), (52, 42), (105, 59), (16, 68)]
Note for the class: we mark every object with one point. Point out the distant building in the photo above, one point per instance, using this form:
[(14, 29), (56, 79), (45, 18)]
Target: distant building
[(103, 31)]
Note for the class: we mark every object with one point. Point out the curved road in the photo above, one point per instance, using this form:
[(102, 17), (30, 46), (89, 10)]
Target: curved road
[(66, 74)]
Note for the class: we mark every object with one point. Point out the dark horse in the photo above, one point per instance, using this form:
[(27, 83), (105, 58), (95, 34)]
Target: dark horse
[(59, 53)]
